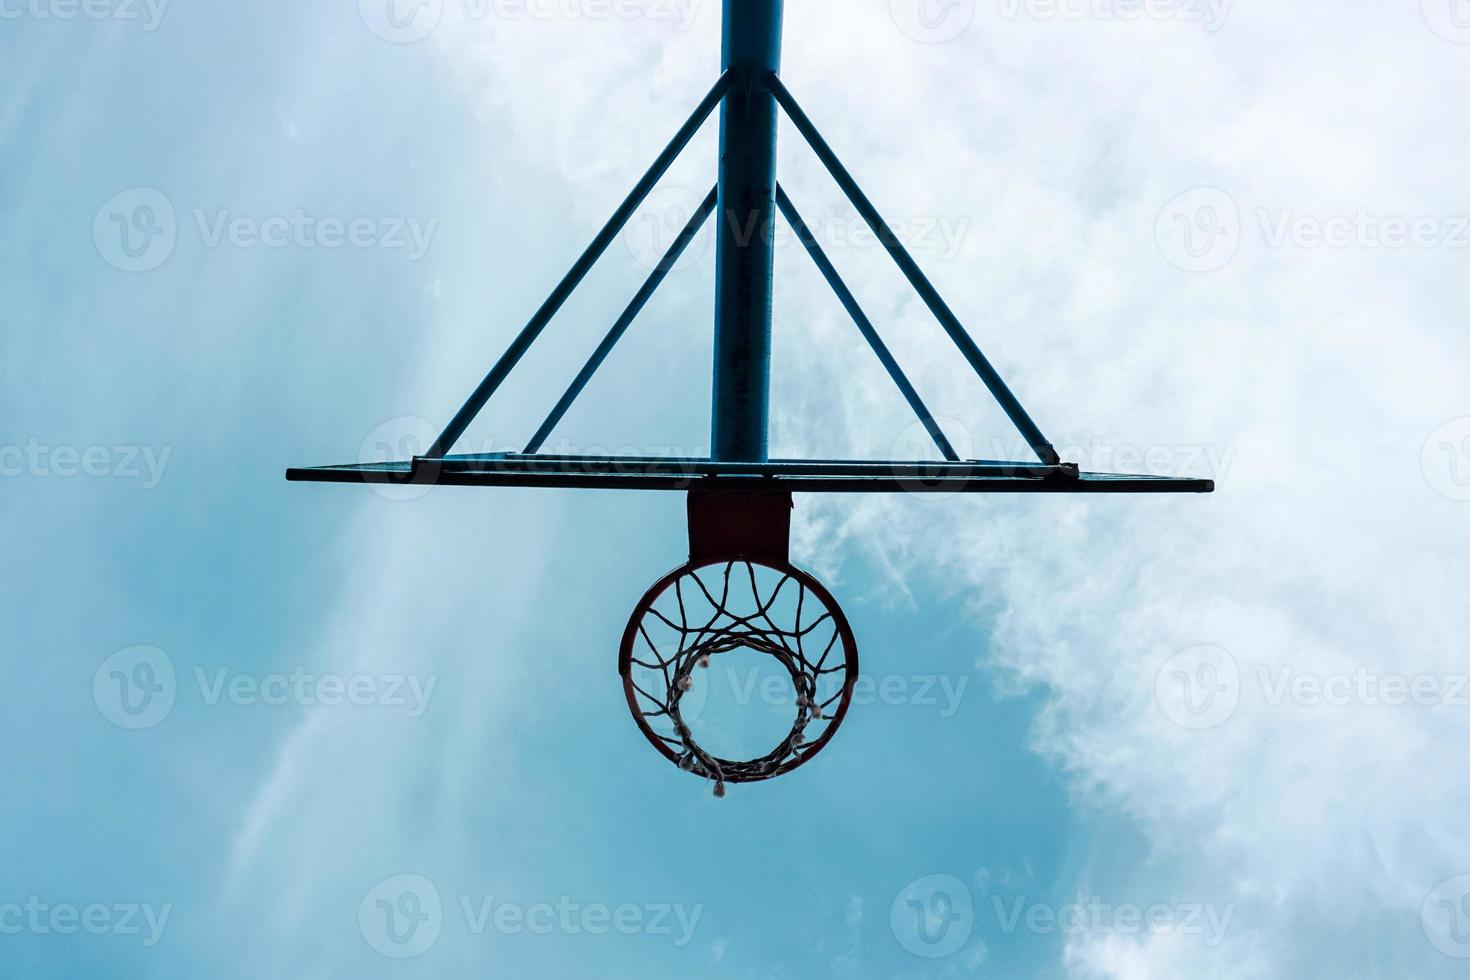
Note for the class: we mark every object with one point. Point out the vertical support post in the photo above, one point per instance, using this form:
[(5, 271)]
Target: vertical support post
[(745, 252)]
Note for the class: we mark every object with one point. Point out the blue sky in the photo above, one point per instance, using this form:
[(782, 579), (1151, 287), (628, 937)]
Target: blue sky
[(1222, 240)]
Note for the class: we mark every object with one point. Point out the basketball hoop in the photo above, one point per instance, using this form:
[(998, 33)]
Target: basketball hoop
[(739, 591)]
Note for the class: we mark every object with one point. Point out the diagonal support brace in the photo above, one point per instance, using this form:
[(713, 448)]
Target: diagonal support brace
[(578, 272), (951, 324), (870, 334), (655, 279)]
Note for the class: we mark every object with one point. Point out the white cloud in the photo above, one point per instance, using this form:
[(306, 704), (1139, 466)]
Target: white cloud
[(1323, 372)]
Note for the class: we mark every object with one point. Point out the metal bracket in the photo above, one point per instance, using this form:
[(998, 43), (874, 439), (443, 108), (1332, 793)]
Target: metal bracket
[(755, 526)]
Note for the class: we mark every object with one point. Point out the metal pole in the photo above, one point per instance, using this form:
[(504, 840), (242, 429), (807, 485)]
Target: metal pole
[(745, 253)]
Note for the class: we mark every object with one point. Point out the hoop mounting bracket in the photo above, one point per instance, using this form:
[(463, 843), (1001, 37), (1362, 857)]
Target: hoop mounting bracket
[(753, 525)]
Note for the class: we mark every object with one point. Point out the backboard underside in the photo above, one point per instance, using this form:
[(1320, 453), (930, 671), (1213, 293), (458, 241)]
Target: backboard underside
[(796, 476)]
